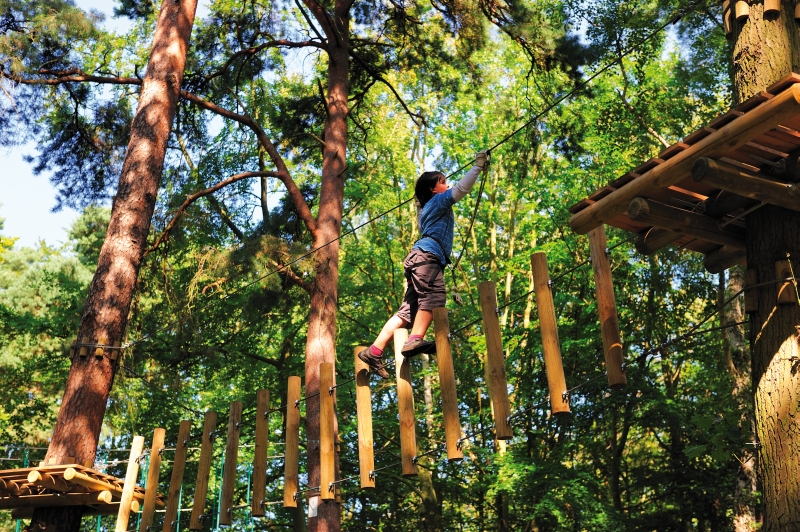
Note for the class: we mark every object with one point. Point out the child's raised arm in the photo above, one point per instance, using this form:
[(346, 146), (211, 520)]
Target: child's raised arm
[(465, 184)]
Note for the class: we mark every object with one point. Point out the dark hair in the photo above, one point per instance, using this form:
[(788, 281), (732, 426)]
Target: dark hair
[(423, 190)]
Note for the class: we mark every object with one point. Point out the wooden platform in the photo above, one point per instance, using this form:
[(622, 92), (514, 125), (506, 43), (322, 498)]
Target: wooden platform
[(23, 490), (751, 155)]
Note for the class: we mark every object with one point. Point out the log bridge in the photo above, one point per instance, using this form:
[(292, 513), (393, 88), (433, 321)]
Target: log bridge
[(697, 192)]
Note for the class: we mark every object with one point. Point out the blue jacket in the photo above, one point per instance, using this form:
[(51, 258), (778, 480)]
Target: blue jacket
[(436, 222)]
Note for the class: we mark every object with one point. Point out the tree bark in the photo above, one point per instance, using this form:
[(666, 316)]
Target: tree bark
[(764, 51), (321, 340), (80, 417)]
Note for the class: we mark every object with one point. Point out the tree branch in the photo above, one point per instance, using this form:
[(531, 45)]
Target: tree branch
[(194, 197), (378, 77), (279, 43), (642, 121)]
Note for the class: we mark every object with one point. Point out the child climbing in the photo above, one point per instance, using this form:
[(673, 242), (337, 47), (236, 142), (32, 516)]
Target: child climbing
[(424, 264)]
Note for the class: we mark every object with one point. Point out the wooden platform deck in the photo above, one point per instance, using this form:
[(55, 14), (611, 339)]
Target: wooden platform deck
[(751, 155), (23, 490)]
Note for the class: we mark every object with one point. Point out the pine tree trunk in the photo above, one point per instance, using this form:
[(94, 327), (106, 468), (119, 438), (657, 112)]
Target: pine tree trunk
[(80, 417), (765, 51), (321, 340)]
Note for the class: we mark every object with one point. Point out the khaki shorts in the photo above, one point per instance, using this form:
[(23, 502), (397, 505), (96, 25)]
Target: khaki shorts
[(425, 291)]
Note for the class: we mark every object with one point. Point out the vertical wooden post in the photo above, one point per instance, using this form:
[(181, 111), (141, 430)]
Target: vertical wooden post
[(405, 405), (495, 361), (130, 484), (151, 487), (607, 308), (203, 471), (447, 384), (231, 458), (176, 479), (260, 453), (292, 446), (366, 458), (327, 443), (559, 404)]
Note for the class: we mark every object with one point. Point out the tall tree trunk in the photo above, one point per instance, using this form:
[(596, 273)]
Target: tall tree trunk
[(764, 51), (321, 340), (80, 417)]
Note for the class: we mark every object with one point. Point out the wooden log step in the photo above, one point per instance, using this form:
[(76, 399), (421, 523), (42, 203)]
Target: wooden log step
[(685, 222), (49, 481)]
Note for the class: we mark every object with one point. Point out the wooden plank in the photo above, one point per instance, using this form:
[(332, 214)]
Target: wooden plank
[(723, 258), (447, 384), (601, 193), (582, 204), (231, 459), (260, 453), (130, 483), (732, 179), (672, 150), (327, 434), (686, 222), (56, 499), (697, 136), (725, 119), (292, 445), (607, 309), (366, 452), (176, 479), (736, 134), (783, 83), (203, 471), (754, 101), (557, 384), (151, 488), (405, 406), (495, 360), (624, 180)]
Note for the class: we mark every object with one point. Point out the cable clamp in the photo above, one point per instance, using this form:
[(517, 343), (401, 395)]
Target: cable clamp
[(297, 403), (498, 311), (550, 283), (372, 474), (756, 445), (565, 396), (330, 390), (607, 252), (415, 460)]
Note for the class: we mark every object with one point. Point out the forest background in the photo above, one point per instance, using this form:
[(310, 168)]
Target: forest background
[(668, 453)]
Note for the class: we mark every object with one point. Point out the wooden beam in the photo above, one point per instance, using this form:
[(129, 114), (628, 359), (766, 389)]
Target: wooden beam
[(291, 451), (731, 178), (203, 471), (130, 484), (176, 478), (231, 459), (366, 453), (97, 509), (52, 482), (653, 239), (607, 309), (260, 453), (56, 499), (681, 221), (742, 130), (447, 384), (405, 406), (327, 434), (151, 487), (723, 258), (96, 484), (559, 402), (495, 360)]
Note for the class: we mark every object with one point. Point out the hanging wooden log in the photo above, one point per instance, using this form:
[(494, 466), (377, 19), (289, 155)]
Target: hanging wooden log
[(742, 11), (327, 434), (720, 174), (607, 309), (495, 360), (231, 459), (797, 11), (654, 239), (723, 258), (772, 8), (84, 350), (260, 453), (726, 19), (682, 221), (405, 405), (203, 471), (366, 457), (176, 479), (292, 444), (130, 484), (447, 385), (559, 402), (151, 487)]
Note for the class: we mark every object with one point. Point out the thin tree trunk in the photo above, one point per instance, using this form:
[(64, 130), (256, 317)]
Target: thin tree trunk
[(321, 340), (80, 417), (764, 51)]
